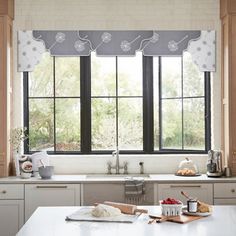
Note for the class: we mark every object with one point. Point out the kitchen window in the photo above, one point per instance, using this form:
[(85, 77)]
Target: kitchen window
[(86, 105)]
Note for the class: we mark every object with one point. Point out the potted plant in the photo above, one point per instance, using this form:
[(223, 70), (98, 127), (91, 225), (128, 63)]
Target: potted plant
[(17, 136)]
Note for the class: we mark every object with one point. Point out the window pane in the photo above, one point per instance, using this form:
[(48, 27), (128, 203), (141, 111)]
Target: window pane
[(41, 127), (130, 124), (194, 126), (172, 124), (103, 124), (67, 78), (171, 77), (130, 75), (68, 124), (156, 101), (41, 79), (103, 75), (193, 79)]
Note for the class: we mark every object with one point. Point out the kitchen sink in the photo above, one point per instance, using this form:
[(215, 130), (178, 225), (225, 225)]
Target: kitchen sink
[(116, 176)]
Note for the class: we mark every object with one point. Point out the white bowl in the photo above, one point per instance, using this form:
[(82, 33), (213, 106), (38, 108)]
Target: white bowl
[(46, 172), (171, 209), (25, 175)]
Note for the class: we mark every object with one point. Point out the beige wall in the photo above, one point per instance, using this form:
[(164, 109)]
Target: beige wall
[(120, 14)]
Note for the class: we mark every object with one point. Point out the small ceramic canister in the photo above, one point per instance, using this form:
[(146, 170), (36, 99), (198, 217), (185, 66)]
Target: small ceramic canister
[(192, 205)]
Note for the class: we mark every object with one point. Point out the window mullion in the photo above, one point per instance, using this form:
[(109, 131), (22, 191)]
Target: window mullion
[(85, 96), (207, 90), (182, 100), (117, 105), (26, 108), (54, 105), (160, 102), (148, 142)]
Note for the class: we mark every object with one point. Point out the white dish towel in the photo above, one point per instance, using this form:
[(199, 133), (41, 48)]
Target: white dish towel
[(135, 191)]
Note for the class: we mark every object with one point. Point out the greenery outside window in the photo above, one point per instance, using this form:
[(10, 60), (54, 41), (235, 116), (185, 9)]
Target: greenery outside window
[(86, 105)]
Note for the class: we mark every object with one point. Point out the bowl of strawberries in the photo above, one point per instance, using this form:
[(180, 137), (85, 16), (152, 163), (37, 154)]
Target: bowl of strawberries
[(171, 207)]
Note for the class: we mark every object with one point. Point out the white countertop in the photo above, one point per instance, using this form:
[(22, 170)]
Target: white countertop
[(50, 221), (161, 178)]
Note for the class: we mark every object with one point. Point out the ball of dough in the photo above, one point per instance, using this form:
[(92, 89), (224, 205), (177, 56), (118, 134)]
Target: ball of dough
[(103, 210)]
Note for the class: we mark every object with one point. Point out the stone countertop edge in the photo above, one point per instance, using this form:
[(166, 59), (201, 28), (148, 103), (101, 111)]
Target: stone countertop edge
[(77, 179)]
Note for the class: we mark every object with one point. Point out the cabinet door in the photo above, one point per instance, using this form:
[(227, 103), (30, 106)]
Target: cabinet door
[(11, 216), (100, 192), (225, 201), (204, 192), (225, 190), (225, 194), (50, 195), (149, 194)]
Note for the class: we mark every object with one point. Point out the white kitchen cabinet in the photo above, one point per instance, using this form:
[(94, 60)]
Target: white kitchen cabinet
[(11, 208), (204, 192), (37, 195), (100, 192), (149, 194), (225, 193)]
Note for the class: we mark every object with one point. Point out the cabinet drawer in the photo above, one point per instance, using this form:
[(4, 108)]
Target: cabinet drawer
[(37, 195), (204, 192), (11, 191), (225, 190), (101, 192), (225, 201)]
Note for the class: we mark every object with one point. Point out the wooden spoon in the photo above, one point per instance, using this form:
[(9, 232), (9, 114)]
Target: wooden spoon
[(157, 219), (187, 196), (41, 161)]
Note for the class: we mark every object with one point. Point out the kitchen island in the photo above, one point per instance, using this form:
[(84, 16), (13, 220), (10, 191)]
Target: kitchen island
[(50, 221)]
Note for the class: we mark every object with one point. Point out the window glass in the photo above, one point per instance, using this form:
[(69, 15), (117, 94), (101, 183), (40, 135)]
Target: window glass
[(41, 79), (172, 124), (130, 75), (103, 123), (182, 110), (171, 77), (67, 124), (119, 110), (193, 79), (103, 75), (130, 125), (67, 76), (41, 126), (194, 125), (117, 103)]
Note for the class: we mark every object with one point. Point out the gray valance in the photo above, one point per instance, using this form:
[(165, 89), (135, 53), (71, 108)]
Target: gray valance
[(32, 44)]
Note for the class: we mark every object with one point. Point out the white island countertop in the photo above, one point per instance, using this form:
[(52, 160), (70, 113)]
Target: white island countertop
[(50, 221)]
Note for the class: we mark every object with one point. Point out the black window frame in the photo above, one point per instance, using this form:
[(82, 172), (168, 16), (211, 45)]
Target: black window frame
[(148, 112)]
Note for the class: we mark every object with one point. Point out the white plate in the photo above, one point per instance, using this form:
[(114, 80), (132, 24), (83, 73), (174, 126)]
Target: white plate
[(185, 212)]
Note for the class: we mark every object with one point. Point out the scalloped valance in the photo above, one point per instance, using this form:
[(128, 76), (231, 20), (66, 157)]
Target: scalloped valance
[(200, 44)]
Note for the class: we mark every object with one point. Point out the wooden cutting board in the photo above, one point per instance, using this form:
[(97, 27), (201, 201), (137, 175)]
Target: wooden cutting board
[(181, 219)]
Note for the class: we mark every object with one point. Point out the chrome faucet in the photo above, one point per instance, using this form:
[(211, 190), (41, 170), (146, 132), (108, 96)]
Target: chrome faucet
[(117, 166)]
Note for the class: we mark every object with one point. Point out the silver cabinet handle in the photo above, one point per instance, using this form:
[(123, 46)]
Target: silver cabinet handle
[(232, 190), (185, 186), (61, 186), (4, 191)]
